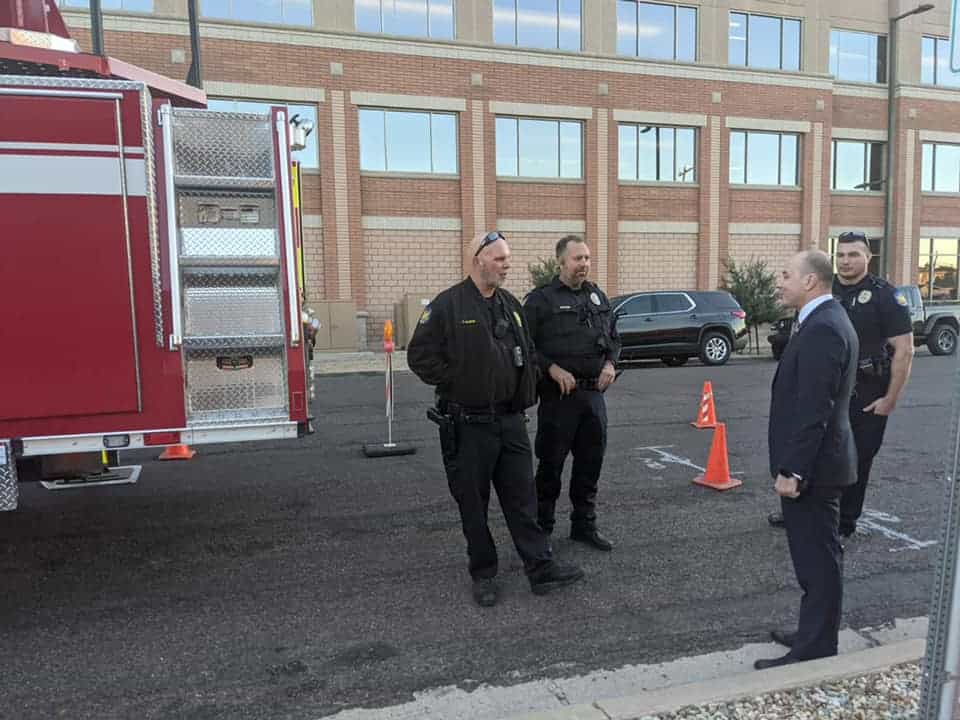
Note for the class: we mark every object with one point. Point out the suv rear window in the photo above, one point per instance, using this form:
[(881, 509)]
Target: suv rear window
[(718, 300)]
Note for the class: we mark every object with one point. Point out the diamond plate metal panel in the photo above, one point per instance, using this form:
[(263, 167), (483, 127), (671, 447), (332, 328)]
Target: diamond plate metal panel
[(8, 477), (229, 243), (75, 83), (222, 145), (240, 309), (218, 394)]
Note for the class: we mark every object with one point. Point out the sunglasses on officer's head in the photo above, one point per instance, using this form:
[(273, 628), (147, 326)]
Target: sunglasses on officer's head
[(489, 239), (850, 237)]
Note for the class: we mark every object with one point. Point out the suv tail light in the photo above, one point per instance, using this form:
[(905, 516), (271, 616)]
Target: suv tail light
[(739, 314)]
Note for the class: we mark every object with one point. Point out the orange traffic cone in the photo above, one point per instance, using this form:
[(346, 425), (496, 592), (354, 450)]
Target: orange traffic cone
[(177, 452), (717, 475), (706, 412)]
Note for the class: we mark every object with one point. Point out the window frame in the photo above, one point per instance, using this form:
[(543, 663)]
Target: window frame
[(882, 60), (516, 29), (934, 146), (746, 157), (542, 178), (659, 180), (676, 30), (930, 268), (430, 114), (429, 35), (620, 311), (936, 63), (85, 5), (746, 48), (867, 145)]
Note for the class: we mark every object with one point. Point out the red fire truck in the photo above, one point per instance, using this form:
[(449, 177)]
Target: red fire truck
[(149, 291)]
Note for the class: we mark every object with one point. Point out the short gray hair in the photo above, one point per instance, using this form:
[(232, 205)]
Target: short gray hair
[(819, 263)]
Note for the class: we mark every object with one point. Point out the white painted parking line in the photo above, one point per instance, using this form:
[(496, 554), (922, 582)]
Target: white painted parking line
[(662, 456), (873, 519)]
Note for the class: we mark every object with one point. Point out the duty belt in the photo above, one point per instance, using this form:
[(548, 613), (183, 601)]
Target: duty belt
[(480, 415)]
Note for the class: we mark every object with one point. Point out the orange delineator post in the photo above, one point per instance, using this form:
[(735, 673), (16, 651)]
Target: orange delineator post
[(177, 452), (706, 410), (717, 475)]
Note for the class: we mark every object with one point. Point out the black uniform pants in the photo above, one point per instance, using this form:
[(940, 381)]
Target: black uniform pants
[(812, 533), (577, 424), (868, 430), (496, 453)]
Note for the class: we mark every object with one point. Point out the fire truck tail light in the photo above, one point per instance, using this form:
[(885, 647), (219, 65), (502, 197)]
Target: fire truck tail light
[(161, 438), (112, 442)]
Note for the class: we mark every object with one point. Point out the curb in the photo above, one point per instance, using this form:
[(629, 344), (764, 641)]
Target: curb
[(728, 689)]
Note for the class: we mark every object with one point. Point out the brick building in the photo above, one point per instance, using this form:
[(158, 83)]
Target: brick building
[(672, 135)]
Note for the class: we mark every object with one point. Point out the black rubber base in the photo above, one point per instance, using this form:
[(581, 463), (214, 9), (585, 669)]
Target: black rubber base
[(383, 450)]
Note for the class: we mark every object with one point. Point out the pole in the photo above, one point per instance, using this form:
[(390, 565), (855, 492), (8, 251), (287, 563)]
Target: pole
[(389, 448), (891, 150), (195, 76), (96, 27)]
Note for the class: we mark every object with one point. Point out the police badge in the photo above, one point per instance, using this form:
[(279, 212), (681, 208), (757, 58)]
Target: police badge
[(864, 297), (594, 298)]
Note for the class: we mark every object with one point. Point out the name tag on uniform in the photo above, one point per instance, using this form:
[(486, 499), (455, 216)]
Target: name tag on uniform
[(565, 307), (468, 322)]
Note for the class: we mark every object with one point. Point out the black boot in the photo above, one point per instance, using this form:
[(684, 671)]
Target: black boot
[(590, 536), (554, 576)]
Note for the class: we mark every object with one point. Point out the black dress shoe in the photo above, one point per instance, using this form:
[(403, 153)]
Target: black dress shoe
[(787, 659), (776, 519), (485, 592), (592, 538), (553, 577), (784, 638)]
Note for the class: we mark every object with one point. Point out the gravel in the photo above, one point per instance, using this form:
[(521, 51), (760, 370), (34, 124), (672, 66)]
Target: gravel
[(891, 694)]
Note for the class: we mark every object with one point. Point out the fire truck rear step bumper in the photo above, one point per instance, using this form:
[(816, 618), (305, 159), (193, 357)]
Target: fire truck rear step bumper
[(197, 435), (8, 477)]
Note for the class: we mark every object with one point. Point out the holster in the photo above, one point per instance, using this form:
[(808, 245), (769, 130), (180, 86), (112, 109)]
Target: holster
[(448, 431)]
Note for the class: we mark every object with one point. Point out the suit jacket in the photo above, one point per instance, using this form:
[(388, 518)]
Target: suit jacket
[(809, 432)]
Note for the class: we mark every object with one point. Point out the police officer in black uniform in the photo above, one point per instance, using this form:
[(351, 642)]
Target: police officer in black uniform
[(571, 323), (881, 316), (471, 343)]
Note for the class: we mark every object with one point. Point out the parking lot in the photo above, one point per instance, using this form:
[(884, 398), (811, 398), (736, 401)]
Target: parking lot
[(298, 579)]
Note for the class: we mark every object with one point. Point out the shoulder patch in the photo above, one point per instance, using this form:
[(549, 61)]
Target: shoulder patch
[(900, 298), (425, 316)]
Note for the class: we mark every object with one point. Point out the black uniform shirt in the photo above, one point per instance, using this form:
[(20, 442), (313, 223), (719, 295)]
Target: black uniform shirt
[(505, 374), (877, 310), (572, 328)]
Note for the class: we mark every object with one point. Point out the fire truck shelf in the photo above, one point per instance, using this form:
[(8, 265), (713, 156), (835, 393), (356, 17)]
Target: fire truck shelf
[(205, 182), (238, 265)]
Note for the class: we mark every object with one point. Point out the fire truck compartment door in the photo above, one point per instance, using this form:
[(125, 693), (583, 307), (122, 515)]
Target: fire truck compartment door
[(67, 324)]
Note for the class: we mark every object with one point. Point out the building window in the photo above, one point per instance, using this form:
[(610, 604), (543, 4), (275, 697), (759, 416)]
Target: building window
[(763, 158), (763, 41), (935, 67), (308, 157), (416, 18), (940, 168), (857, 165), (281, 12), (655, 31), (408, 142), (548, 24), (130, 5), (539, 148), (937, 269), (858, 57), (657, 154)]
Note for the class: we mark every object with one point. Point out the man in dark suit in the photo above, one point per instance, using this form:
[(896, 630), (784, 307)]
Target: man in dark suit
[(812, 452)]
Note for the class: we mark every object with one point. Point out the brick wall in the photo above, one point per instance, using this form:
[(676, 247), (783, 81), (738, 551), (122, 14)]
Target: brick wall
[(313, 263), (657, 262), (527, 248), (775, 250), (406, 261)]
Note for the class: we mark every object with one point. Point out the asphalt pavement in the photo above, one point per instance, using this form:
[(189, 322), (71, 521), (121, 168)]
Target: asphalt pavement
[(297, 579)]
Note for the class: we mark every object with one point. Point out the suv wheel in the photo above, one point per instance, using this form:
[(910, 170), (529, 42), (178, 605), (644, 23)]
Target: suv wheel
[(714, 349), (674, 360), (943, 340)]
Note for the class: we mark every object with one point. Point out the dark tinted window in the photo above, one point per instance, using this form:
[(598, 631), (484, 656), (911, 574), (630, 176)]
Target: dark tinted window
[(640, 305), (672, 302), (717, 300)]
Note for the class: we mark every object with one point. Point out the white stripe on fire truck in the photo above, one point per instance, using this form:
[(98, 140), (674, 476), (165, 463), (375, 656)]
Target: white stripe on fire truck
[(69, 175), (70, 147)]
